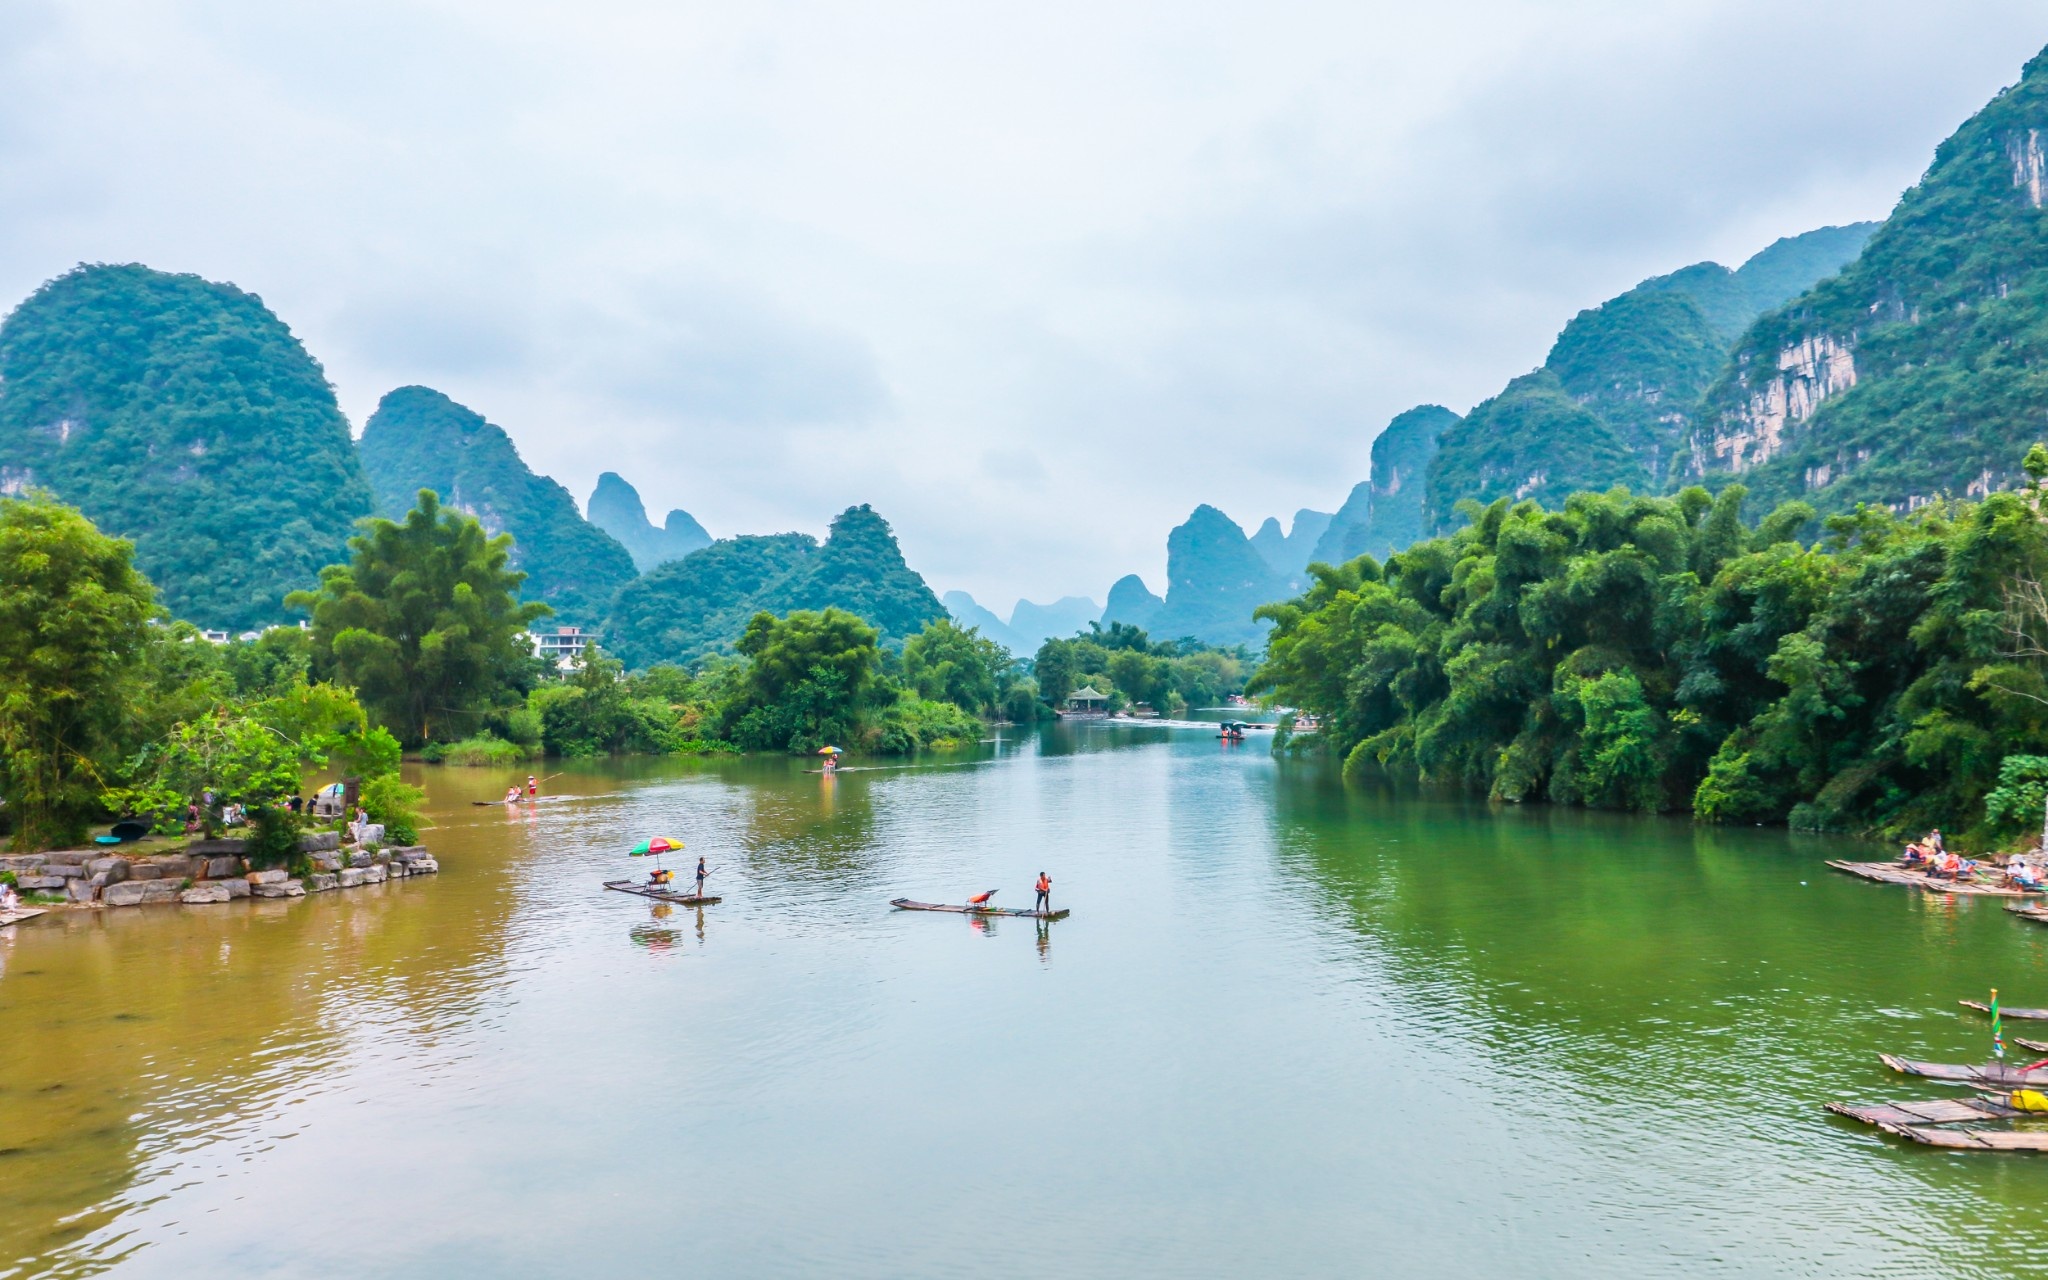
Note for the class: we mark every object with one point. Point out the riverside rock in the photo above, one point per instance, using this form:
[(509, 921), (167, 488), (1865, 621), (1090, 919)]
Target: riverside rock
[(68, 857), (350, 877), (136, 893), (81, 890), (201, 894), (40, 883), (319, 842), (276, 875), (237, 888), (286, 888), (114, 869), (145, 871), (321, 882), (65, 870)]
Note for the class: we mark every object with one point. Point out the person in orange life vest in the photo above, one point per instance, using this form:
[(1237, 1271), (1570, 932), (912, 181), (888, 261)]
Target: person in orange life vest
[(1044, 892)]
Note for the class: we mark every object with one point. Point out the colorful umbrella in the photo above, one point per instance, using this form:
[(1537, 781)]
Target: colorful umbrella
[(658, 845), (828, 751)]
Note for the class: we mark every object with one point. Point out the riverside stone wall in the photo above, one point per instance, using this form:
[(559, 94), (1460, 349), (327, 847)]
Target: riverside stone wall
[(207, 872)]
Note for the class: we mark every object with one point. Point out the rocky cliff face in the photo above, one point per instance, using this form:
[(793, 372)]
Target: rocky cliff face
[(1288, 551), (1614, 402), (1920, 370)]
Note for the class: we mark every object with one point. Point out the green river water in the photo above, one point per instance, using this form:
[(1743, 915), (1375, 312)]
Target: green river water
[(1291, 1029)]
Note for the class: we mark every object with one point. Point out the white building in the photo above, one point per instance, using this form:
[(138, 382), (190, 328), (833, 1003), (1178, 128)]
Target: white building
[(562, 646)]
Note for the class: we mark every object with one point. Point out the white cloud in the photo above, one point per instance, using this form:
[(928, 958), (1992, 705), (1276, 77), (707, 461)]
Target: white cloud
[(1034, 282)]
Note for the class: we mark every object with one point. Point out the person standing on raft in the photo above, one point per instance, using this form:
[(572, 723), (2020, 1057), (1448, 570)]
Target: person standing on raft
[(532, 787), (702, 871), (1044, 902)]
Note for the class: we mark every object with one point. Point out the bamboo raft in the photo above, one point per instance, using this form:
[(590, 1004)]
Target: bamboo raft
[(1949, 1123), (1893, 873), (1992, 1074), (16, 917), (905, 904), (665, 895), (2035, 911), (2017, 1013)]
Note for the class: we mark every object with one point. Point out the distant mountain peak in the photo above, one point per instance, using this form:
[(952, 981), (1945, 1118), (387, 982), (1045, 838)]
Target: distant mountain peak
[(615, 507)]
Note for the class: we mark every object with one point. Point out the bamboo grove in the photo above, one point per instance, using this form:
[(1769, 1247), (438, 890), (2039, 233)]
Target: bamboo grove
[(1888, 674)]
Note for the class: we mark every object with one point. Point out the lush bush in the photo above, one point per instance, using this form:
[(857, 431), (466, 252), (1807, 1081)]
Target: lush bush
[(912, 724), (395, 804), (273, 836), (482, 751)]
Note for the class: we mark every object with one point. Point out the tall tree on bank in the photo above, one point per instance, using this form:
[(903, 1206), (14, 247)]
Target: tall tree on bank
[(425, 621), (74, 624)]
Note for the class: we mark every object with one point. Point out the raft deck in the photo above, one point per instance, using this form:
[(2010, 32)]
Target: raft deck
[(1893, 873), (665, 895), (905, 904), (2017, 1013), (16, 917), (2035, 911), (1992, 1074), (1950, 1123)]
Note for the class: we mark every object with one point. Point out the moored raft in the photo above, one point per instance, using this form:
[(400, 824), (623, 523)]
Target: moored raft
[(1950, 1123), (1992, 1074), (2035, 911), (905, 904), (16, 917), (2016, 1013), (1893, 873), (665, 895)]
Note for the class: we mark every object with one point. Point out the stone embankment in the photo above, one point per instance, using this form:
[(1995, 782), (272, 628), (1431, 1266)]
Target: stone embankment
[(208, 871)]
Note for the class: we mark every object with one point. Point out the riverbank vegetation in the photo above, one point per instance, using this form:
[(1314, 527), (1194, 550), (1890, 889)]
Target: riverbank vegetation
[(1659, 655), (1124, 662)]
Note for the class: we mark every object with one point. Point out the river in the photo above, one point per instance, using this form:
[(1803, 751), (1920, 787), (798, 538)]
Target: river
[(1290, 1029)]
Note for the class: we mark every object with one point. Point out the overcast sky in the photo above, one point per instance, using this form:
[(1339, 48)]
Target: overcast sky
[(1033, 280)]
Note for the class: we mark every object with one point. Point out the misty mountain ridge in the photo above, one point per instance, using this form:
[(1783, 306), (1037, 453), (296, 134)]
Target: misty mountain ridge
[(615, 507)]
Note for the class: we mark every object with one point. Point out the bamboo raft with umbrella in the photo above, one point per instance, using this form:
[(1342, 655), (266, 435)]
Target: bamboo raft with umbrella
[(1893, 873), (664, 895), (905, 904)]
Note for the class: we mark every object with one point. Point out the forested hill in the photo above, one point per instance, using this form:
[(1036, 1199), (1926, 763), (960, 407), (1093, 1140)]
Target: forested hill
[(700, 604), (182, 414), (1922, 369), (1613, 402), (615, 507), (1215, 579), (420, 439)]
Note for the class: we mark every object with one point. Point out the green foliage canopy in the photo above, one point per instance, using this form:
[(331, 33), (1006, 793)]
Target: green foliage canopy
[(74, 631), (425, 622), (1657, 654)]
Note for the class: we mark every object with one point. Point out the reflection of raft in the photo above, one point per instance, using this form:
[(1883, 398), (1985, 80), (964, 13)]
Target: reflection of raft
[(2018, 1013), (1893, 873), (905, 904), (16, 917), (1991, 1074), (665, 895)]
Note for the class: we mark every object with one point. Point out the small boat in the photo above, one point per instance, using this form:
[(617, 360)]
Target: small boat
[(1994, 1074), (905, 904), (2038, 1046), (16, 917), (2017, 1013), (665, 895), (2034, 911)]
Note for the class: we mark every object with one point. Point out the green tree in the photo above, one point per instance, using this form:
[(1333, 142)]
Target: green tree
[(810, 677), (950, 663), (74, 627), (425, 622)]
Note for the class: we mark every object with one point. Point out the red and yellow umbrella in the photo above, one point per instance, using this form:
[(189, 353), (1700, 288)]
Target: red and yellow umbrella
[(658, 845)]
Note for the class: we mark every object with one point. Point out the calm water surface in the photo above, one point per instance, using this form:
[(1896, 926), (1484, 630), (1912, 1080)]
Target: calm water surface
[(1290, 1029)]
